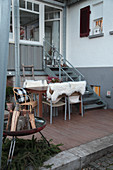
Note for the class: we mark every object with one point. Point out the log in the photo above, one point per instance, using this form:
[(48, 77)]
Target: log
[(23, 123), (32, 120), (14, 120), (8, 127)]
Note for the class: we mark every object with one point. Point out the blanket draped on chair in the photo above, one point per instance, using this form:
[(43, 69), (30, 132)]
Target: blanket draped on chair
[(56, 89)]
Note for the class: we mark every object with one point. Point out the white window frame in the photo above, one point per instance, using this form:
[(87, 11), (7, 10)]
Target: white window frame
[(40, 23)]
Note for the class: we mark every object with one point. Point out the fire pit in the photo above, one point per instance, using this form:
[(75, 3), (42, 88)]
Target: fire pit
[(40, 124)]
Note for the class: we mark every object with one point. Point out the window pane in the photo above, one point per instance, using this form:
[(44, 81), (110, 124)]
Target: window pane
[(52, 13), (11, 29), (11, 26), (29, 5), (22, 3), (98, 25), (29, 26), (52, 33), (36, 7)]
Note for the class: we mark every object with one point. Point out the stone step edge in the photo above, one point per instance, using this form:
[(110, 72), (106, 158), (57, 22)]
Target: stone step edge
[(80, 156)]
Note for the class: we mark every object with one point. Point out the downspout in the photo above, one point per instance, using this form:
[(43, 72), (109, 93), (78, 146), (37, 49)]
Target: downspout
[(5, 6), (16, 35), (64, 31)]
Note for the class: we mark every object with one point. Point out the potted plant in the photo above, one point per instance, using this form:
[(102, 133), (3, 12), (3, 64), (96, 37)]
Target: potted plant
[(9, 95), (53, 80)]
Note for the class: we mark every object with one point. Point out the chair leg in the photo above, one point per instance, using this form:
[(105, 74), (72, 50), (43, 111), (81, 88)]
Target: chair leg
[(81, 108), (69, 108), (65, 108), (51, 113), (56, 112)]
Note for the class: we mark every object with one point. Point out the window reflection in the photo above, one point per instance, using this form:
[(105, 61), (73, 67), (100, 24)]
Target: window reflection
[(29, 26), (11, 26)]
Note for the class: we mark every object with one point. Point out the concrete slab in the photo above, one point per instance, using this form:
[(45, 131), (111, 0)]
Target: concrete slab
[(78, 157), (63, 160)]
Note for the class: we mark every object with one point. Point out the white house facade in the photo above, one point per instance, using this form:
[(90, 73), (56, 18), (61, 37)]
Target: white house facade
[(92, 54), (82, 31)]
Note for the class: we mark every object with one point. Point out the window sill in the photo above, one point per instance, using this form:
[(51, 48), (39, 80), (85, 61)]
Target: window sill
[(27, 42), (96, 36), (111, 32)]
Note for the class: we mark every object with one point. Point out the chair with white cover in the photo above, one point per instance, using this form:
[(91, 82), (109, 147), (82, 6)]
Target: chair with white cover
[(75, 98), (77, 89), (58, 102)]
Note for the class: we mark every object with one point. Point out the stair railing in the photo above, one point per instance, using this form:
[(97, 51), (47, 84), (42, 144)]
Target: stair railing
[(59, 60)]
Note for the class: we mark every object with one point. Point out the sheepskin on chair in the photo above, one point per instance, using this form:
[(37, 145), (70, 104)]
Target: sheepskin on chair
[(56, 89), (34, 83)]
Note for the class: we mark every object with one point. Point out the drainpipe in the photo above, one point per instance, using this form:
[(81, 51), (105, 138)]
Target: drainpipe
[(4, 50), (16, 35), (64, 31)]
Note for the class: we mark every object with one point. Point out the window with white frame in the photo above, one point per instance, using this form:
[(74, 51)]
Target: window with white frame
[(97, 18), (29, 20)]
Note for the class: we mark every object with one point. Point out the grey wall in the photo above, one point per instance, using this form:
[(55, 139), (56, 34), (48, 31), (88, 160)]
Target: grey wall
[(28, 55), (101, 76), (31, 55)]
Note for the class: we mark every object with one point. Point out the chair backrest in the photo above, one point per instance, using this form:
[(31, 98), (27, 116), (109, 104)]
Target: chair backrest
[(56, 93), (75, 97), (28, 68), (21, 95), (34, 83)]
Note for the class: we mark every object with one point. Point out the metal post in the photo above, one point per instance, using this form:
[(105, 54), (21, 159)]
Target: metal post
[(64, 31), (59, 69), (44, 57), (16, 31), (5, 6)]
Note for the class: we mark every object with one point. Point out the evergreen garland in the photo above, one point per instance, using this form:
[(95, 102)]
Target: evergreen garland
[(28, 153)]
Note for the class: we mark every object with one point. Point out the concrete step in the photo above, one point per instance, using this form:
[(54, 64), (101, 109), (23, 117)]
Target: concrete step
[(56, 67), (88, 93), (79, 157), (90, 99), (57, 72), (73, 77), (93, 106)]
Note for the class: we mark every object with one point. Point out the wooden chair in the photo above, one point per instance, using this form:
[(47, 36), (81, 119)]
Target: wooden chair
[(75, 98), (22, 98)]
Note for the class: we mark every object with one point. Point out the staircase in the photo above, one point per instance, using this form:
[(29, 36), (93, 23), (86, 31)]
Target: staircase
[(56, 66)]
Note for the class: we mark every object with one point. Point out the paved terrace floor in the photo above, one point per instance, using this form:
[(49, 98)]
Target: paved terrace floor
[(79, 130)]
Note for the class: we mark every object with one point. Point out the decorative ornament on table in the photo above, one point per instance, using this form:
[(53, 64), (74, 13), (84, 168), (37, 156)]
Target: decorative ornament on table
[(53, 80)]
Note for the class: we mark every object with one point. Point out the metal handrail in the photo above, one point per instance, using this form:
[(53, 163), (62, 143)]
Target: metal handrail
[(62, 58)]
